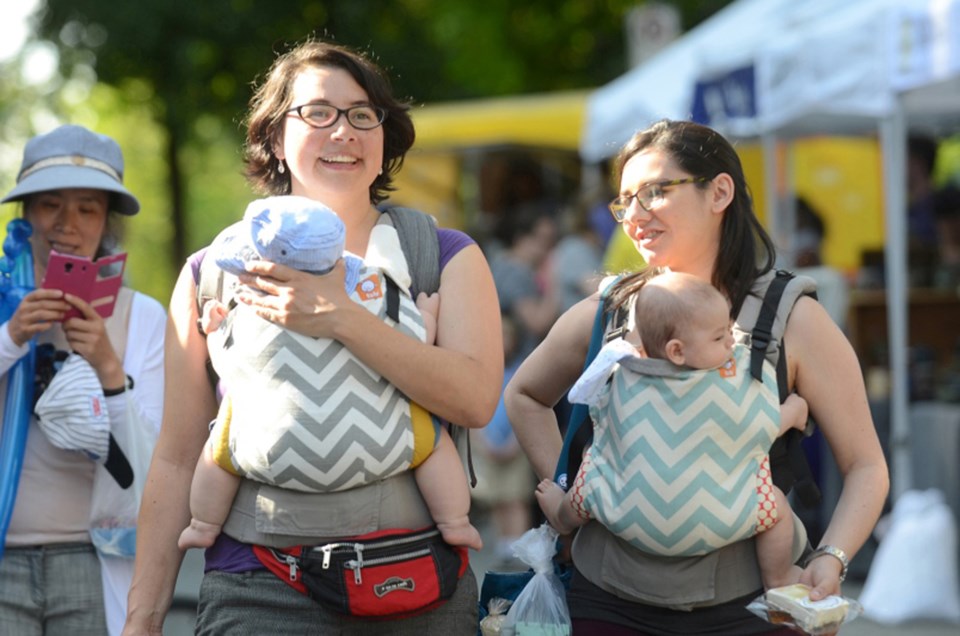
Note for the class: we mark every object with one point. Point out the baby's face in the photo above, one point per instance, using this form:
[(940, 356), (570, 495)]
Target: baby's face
[(708, 337)]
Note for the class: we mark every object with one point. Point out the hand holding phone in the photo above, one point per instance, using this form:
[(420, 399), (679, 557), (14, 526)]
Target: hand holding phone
[(92, 281)]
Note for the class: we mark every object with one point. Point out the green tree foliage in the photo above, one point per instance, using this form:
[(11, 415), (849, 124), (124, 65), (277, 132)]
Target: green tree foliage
[(189, 64)]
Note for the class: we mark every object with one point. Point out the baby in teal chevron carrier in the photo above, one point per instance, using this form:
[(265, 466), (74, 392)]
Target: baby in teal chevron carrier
[(305, 413), (679, 461)]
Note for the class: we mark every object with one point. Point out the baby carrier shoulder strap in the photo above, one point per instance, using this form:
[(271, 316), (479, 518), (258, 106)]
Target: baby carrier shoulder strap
[(421, 247), (788, 461), (579, 432)]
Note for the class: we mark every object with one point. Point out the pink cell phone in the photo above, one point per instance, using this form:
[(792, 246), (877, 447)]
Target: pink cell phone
[(90, 280)]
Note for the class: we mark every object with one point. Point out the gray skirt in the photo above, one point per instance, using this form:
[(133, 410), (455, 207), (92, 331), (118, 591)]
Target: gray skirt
[(256, 603)]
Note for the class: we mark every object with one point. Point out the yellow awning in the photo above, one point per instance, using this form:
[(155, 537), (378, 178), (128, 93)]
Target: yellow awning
[(550, 120)]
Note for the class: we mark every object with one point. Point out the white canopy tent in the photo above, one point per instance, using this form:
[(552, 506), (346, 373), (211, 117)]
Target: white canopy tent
[(777, 68)]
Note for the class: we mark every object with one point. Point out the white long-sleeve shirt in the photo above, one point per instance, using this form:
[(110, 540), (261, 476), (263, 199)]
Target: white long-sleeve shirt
[(53, 497)]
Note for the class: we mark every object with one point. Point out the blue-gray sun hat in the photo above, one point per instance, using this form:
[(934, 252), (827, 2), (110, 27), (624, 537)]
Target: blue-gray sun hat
[(289, 230), (73, 157), (296, 231)]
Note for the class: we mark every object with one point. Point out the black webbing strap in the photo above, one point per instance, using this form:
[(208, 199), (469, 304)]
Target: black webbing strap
[(762, 332), (804, 482), (393, 299)]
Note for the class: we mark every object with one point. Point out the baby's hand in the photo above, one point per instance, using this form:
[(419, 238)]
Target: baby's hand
[(429, 307), (793, 413), (213, 314)]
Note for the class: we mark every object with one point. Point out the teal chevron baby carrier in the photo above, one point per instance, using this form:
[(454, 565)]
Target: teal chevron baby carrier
[(304, 413), (767, 310), (676, 453)]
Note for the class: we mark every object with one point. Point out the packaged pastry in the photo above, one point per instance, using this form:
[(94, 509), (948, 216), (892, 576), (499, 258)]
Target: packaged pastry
[(492, 623), (813, 617)]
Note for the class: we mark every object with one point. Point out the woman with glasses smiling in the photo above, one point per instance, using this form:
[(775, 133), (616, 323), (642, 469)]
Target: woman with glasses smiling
[(684, 203), (323, 125)]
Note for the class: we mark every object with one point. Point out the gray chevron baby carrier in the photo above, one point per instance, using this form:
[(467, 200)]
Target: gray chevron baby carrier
[(304, 413)]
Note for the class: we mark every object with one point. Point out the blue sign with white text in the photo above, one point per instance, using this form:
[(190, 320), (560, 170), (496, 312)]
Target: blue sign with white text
[(729, 96)]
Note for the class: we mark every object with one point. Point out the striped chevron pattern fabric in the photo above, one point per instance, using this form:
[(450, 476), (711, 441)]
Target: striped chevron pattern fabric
[(306, 414), (673, 467)]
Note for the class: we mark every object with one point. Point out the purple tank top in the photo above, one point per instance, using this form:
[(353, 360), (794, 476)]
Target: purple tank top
[(229, 555)]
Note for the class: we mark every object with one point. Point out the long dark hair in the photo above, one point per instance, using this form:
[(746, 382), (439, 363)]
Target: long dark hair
[(746, 250), (272, 99)]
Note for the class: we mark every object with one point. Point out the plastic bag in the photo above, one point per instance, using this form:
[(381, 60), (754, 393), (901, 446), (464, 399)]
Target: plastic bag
[(816, 618), (113, 510), (913, 574), (492, 623), (541, 608)]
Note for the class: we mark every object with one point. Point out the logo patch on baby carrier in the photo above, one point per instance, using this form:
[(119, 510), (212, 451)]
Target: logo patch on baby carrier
[(369, 288), (728, 369)]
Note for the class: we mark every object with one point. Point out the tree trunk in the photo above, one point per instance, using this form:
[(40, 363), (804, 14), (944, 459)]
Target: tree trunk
[(177, 188)]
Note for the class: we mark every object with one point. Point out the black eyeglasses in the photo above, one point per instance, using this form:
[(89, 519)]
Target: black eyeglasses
[(363, 117), (649, 196)]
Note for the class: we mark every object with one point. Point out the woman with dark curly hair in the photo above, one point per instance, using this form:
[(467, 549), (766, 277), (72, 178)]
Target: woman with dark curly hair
[(323, 125)]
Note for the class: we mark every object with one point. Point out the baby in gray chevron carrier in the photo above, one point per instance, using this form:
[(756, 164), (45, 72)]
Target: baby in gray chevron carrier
[(305, 413), (679, 461)]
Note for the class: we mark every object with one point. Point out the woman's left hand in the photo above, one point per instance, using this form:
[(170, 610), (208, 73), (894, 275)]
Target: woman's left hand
[(304, 303), (87, 336)]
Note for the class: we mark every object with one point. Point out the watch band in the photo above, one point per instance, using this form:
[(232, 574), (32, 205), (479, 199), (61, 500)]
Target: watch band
[(119, 390), (833, 551)]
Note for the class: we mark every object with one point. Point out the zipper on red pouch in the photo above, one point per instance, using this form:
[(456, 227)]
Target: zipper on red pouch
[(378, 544)]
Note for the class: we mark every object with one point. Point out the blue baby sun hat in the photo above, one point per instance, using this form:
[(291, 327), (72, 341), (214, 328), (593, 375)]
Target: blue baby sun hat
[(288, 230), (296, 231)]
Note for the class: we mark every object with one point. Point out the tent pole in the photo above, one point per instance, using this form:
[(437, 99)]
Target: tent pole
[(771, 186), (893, 134)]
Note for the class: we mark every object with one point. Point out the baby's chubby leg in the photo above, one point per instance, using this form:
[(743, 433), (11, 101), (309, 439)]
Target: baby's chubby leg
[(774, 546), (443, 484), (211, 496)]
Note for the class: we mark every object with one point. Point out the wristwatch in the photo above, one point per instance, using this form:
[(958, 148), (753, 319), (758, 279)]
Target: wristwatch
[(833, 551)]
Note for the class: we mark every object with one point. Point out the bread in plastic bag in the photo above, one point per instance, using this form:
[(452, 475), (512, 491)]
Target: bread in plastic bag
[(541, 608), (790, 606), (492, 623)]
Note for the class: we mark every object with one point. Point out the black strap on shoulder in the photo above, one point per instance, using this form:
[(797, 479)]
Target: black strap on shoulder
[(393, 300), (788, 461), (762, 333)]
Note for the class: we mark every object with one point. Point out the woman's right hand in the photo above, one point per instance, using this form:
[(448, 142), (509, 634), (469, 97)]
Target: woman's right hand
[(305, 303), (36, 313)]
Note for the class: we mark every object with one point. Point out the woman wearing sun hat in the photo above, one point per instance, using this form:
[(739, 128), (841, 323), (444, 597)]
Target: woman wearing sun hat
[(52, 578)]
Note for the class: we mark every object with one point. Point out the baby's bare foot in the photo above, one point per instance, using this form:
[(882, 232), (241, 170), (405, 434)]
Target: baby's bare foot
[(460, 533), (199, 534)]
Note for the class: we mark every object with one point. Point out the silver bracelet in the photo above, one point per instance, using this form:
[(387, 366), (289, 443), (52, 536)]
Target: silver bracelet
[(833, 551)]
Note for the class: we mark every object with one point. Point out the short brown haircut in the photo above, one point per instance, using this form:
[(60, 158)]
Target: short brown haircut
[(270, 101)]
